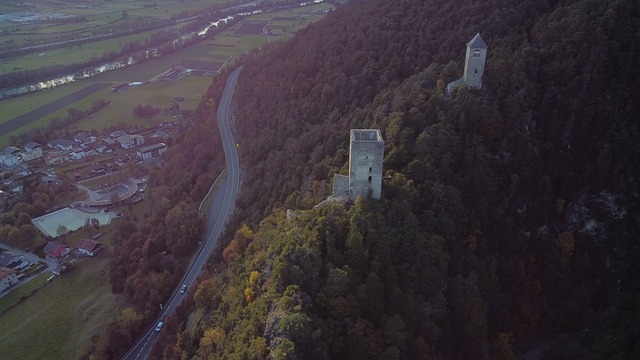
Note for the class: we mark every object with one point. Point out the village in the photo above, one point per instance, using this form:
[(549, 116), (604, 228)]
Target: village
[(107, 170)]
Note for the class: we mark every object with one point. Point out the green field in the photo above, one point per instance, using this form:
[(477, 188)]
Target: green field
[(59, 320), (25, 290), (19, 105), (100, 17), (222, 48)]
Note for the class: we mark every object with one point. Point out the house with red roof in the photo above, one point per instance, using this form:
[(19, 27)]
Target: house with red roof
[(55, 250)]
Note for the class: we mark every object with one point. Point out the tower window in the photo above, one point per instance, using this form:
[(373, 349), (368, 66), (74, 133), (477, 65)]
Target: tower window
[(476, 71), (369, 178), (476, 53), (369, 169)]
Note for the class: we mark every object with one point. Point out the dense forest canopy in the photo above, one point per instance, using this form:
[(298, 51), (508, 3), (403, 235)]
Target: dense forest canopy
[(508, 214)]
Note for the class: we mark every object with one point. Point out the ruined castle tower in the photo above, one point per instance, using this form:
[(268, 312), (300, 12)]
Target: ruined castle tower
[(474, 62), (366, 152)]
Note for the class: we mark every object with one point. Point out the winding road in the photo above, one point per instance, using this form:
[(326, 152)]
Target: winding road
[(221, 208)]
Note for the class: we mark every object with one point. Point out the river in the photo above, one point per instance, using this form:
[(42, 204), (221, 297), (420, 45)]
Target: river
[(140, 56)]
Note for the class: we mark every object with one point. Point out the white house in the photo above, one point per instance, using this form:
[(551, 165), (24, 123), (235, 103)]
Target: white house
[(31, 151), (9, 160), (129, 141), (77, 153), (84, 138), (155, 150), (116, 134), (89, 247), (65, 145), (8, 277)]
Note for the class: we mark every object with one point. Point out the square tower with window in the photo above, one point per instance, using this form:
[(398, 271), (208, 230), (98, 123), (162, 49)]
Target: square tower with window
[(474, 62), (366, 152)]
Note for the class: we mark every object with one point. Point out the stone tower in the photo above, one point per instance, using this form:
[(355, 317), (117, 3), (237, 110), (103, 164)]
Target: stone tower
[(366, 152), (474, 62)]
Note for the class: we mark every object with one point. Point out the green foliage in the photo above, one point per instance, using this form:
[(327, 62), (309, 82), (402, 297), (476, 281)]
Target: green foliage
[(479, 247)]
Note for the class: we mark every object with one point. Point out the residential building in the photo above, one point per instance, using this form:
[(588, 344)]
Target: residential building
[(89, 247), (53, 159), (151, 151), (62, 144), (32, 146), (9, 160), (77, 153), (11, 150), (84, 138), (31, 151), (130, 141), (7, 259), (55, 250), (116, 134), (8, 277)]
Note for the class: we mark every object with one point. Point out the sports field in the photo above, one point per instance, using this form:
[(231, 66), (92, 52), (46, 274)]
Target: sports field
[(72, 219)]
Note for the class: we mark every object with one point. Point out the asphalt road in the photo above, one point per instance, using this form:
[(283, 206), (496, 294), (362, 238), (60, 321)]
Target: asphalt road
[(221, 208), (31, 257)]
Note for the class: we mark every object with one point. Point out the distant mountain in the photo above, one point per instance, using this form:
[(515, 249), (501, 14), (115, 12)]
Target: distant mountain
[(508, 215)]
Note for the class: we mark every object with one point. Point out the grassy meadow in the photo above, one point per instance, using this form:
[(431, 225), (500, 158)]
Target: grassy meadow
[(59, 320), (103, 17)]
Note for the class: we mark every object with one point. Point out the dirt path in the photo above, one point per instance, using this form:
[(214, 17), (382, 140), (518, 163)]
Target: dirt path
[(36, 114)]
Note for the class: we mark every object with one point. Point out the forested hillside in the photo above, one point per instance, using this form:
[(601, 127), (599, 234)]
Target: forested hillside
[(508, 216)]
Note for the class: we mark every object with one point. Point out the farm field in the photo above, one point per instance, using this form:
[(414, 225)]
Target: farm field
[(63, 315), (95, 18), (65, 55), (218, 50), (20, 105)]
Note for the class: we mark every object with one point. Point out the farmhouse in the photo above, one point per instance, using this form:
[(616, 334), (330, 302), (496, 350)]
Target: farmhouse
[(8, 277), (90, 247), (151, 151)]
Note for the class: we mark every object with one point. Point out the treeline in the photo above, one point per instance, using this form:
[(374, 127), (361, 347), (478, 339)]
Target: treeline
[(508, 215), (15, 222)]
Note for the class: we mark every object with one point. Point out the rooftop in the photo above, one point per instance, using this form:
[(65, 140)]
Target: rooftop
[(366, 135), (477, 42), (153, 147)]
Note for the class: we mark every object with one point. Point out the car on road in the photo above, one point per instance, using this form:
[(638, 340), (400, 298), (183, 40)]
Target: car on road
[(159, 326), (183, 288)]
